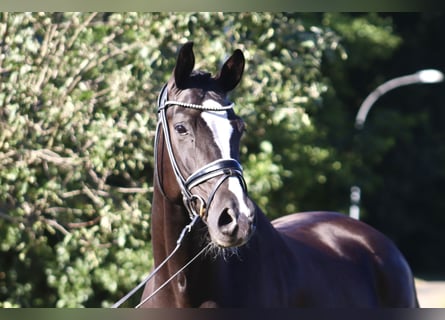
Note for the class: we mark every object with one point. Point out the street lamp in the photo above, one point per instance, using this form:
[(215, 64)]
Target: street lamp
[(422, 76)]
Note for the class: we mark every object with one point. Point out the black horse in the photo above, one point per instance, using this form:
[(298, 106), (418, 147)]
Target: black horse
[(311, 259)]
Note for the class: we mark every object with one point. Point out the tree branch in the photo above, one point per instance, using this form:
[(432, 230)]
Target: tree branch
[(53, 223)]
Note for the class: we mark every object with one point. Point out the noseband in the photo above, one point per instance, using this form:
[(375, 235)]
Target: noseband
[(223, 168)]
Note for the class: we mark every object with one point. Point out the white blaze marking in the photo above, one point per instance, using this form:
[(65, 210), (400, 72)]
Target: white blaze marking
[(222, 130), (220, 125), (237, 190)]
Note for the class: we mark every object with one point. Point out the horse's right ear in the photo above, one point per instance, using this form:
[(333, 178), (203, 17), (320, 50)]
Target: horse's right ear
[(184, 64), (232, 71)]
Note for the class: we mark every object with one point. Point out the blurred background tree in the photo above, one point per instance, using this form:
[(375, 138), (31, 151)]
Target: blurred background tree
[(77, 120), (398, 157)]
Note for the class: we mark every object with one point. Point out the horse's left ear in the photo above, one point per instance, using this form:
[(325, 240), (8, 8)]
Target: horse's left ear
[(232, 71), (184, 64)]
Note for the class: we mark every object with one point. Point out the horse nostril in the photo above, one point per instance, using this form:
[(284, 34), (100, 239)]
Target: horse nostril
[(226, 222), (225, 218)]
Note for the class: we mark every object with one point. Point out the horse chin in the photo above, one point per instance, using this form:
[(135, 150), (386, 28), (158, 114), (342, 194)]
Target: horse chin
[(233, 242), (222, 250), (215, 251), (228, 243)]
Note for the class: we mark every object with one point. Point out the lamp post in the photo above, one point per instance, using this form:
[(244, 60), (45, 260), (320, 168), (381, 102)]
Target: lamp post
[(422, 76)]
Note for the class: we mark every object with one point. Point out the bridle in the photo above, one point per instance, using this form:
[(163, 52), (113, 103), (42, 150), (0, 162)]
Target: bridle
[(223, 168)]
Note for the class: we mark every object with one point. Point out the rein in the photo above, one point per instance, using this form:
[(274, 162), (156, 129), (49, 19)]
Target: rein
[(173, 276), (184, 231), (225, 168)]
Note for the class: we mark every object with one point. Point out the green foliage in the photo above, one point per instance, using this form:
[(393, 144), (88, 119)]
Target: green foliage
[(75, 134), (372, 34)]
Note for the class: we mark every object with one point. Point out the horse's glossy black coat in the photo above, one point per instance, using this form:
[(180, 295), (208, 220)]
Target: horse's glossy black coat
[(312, 259)]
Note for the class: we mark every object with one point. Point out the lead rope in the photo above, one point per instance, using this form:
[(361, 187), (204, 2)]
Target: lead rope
[(173, 276), (184, 231)]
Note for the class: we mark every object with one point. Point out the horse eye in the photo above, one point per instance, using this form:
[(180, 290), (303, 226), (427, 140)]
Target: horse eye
[(180, 128)]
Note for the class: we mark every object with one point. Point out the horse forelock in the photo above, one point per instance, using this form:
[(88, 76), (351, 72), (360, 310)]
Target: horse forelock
[(198, 86)]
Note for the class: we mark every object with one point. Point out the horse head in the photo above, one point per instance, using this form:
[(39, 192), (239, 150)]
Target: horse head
[(201, 134)]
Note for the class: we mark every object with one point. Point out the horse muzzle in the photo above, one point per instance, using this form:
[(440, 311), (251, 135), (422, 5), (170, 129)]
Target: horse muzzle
[(231, 224)]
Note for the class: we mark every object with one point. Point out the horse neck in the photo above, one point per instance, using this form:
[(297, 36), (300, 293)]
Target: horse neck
[(167, 221), (169, 217)]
